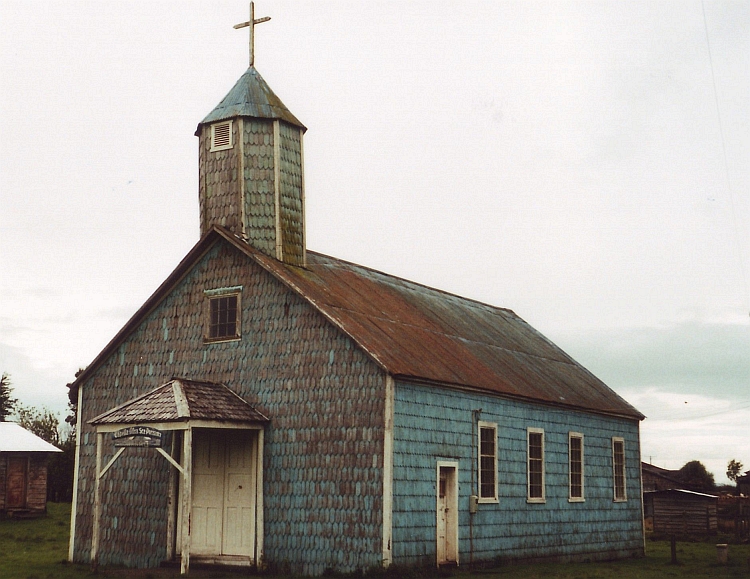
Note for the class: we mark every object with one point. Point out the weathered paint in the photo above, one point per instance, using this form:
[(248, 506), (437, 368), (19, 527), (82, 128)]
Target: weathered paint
[(434, 424), (323, 450)]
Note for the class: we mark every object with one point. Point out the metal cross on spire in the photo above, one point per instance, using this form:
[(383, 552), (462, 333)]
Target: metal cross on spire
[(251, 25)]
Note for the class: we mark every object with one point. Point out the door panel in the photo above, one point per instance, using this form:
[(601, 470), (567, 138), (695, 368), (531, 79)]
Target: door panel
[(239, 517), (16, 482), (208, 494)]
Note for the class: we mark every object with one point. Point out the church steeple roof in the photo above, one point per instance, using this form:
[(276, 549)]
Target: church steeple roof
[(251, 97)]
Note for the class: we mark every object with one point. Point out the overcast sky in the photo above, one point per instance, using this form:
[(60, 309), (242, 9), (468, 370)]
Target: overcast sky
[(585, 164)]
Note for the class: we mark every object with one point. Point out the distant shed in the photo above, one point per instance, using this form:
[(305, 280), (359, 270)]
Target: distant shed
[(23, 470), (680, 512)]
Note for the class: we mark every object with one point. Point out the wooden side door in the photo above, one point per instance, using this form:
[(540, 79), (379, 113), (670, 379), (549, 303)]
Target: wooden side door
[(447, 514), (16, 482)]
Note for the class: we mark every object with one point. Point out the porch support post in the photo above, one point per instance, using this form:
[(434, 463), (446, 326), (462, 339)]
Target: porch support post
[(97, 503), (187, 500), (171, 502), (259, 503)]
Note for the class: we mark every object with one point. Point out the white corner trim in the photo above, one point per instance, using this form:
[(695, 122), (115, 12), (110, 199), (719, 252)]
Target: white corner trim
[(388, 472), (76, 466), (277, 188)]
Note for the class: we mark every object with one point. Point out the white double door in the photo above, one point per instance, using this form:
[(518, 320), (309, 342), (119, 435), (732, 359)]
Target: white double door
[(224, 492)]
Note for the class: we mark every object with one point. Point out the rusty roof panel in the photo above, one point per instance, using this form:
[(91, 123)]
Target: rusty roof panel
[(422, 333)]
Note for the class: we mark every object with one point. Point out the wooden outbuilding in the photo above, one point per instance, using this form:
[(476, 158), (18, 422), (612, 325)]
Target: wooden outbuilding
[(681, 512), (656, 478), (23, 471), (272, 406)]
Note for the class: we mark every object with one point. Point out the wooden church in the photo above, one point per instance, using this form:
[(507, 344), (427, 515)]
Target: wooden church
[(270, 406)]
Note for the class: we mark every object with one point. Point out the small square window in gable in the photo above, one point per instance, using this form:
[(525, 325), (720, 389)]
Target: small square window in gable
[(223, 315), (221, 136)]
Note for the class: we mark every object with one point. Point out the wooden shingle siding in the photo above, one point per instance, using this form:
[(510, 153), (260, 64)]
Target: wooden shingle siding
[(259, 210), (219, 184), (323, 448), (290, 175), (432, 424)]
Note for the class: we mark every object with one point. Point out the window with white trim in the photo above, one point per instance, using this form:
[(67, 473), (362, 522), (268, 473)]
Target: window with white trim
[(535, 465), (221, 136), (575, 466), (618, 468), (487, 466)]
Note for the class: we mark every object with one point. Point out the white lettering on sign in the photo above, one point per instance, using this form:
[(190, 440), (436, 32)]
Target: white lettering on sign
[(138, 436)]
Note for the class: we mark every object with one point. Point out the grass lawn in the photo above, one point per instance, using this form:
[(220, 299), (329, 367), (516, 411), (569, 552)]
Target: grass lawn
[(38, 549)]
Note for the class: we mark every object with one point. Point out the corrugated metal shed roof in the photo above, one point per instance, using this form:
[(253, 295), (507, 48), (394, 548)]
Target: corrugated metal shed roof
[(251, 97), (680, 492), (180, 400), (15, 438)]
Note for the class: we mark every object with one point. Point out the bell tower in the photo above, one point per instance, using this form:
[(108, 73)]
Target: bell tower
[(251, 178)]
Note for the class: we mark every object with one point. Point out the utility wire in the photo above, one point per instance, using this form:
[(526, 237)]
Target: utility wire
[(746, 293)]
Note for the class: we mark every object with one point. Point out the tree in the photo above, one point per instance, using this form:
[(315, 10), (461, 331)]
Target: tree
[(695, 476), (42, 423), (60, 468), (734, 468), (7, 404)]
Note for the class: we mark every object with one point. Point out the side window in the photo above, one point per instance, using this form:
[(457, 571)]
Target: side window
[(535, 465), (575, 466), (223, 315), (618, 468), (487, 462)]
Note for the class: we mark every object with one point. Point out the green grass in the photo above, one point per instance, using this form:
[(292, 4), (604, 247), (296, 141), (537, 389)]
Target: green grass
[(38, 549)]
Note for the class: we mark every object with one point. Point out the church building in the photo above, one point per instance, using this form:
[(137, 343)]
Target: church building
[(271, 406)]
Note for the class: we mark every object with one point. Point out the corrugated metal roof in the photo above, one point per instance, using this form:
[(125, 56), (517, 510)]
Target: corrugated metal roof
[(251, 97), (15, 438), (417, 332), (180, 400)]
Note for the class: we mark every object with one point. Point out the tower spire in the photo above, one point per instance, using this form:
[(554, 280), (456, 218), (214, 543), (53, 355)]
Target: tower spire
[(251, 25)]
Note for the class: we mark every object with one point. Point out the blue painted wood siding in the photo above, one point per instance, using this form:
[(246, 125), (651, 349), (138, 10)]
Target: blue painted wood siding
[(323, 454), (432, 424)]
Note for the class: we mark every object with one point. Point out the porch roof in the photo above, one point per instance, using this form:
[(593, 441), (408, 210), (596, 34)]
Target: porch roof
[(180, 400)]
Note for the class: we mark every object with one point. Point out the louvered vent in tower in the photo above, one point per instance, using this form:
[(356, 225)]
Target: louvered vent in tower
[(221, 136)]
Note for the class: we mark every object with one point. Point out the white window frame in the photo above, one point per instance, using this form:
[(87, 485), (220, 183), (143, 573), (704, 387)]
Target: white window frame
[(489, 426), (624, 497), (225, 146), (571, 498), (529, 498)]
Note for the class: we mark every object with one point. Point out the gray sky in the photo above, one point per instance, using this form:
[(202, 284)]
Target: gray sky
[(586, 164)]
